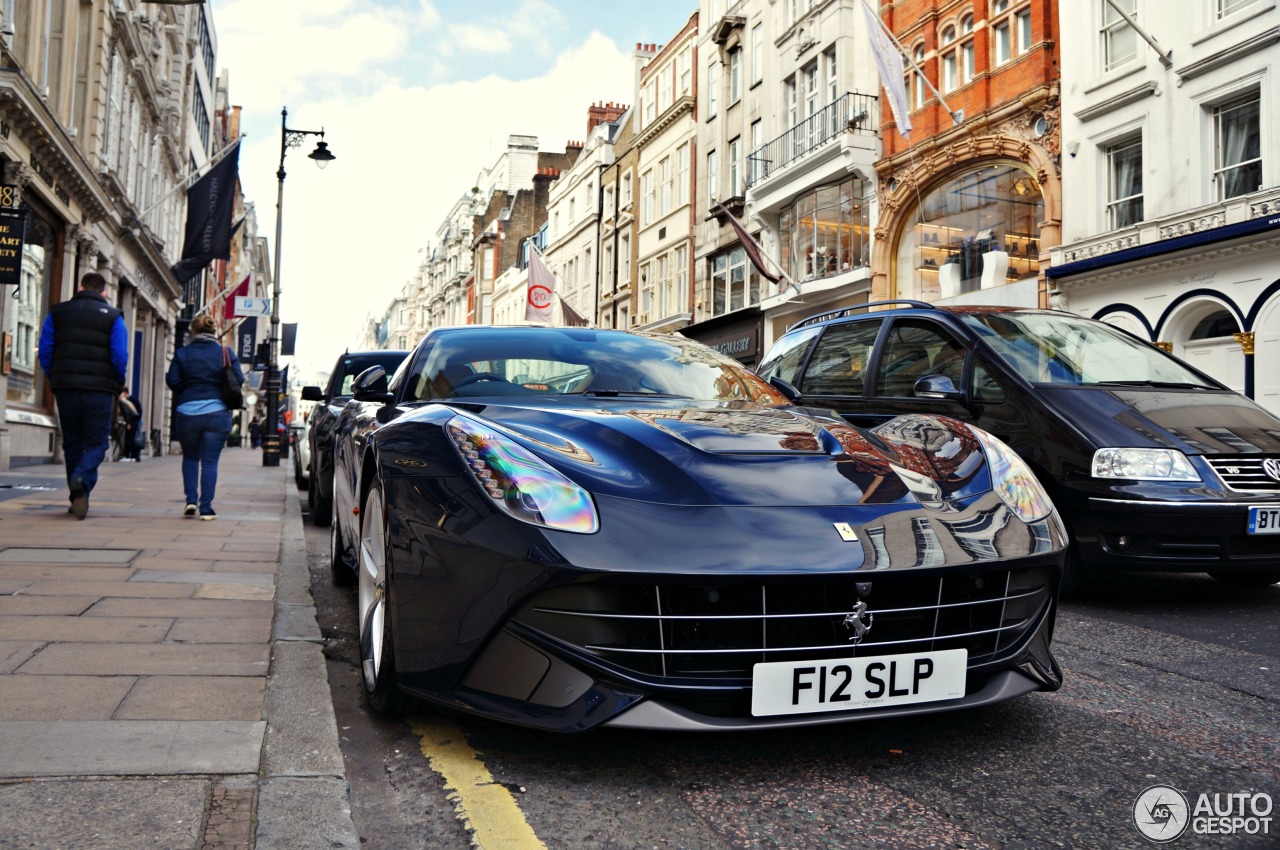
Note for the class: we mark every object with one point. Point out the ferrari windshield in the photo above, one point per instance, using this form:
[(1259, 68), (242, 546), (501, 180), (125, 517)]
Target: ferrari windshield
[(1056, 348), (487, 361)]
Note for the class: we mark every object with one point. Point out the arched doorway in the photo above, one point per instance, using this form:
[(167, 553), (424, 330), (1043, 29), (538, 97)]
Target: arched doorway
[(1203, 334)]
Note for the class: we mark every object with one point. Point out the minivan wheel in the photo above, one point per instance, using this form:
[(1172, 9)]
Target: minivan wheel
[(1248, 579)]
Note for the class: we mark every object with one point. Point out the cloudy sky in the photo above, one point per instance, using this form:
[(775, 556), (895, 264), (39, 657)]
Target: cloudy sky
[(415, 98)]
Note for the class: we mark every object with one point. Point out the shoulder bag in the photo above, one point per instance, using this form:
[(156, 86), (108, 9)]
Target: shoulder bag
[(232, 391)]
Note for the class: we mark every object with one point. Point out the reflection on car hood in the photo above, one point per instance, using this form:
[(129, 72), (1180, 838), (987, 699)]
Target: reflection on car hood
[(1195, 422), (680, 452)]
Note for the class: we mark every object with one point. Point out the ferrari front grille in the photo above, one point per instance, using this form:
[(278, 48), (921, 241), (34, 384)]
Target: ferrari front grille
[(682, 630)]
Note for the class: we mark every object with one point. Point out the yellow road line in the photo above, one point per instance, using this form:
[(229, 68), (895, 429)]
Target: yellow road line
[(484, 807)]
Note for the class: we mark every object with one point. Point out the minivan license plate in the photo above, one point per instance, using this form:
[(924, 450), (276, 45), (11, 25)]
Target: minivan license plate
[(841, 684), (1264, 520)]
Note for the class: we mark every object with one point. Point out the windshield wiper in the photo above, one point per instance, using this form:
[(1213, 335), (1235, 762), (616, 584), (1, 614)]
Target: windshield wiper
[(1172, 385), (604, 393)]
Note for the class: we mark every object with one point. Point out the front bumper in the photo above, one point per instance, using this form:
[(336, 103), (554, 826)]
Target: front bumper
[(1141, 535)]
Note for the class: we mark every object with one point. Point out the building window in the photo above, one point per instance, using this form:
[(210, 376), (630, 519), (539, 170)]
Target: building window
[(1237, 136), (1124, 192), (735, 283), (650, 104), (967, 69), (735, 154), (833, 81), (713, 86), (684, 69), (662, 287), (757, 53), (735, 75), (979, 230), (681, 286), (915, 80), (826, 231), (1011, 28), (1228, 7), (625, 191), (624, 260), (713, 179), (1119, 41), (647, 196), (950, 60), (1022, 24), (664, 186), (682, 175), (26, 313), (755, 165)]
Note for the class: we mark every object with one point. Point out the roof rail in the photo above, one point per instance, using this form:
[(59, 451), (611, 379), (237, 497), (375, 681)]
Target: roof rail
[(848, 311)]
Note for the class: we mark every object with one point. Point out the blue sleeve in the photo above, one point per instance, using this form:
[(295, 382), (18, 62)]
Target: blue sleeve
[(120, 348), (235, 363), (46, 345)]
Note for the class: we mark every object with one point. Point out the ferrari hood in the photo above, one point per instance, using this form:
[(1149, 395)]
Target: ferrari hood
[(675, 452)]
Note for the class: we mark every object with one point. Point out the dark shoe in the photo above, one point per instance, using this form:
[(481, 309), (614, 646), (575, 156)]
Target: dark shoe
[(189, 510), (211, 514), (79, 498)]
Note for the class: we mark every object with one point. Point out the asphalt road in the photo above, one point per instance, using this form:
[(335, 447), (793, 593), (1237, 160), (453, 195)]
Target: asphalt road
[(1170, 680)]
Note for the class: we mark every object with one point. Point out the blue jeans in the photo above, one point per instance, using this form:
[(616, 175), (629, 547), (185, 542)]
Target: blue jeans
[(202, 437), (85, 418)]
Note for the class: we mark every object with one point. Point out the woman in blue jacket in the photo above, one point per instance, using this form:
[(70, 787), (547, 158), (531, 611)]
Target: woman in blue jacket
[(203, 421)]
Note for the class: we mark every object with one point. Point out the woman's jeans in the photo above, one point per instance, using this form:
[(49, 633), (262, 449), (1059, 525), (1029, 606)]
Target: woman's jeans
[(202, 437)]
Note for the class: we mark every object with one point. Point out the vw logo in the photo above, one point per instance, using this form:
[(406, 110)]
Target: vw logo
[(859, 621), (1271, 466)]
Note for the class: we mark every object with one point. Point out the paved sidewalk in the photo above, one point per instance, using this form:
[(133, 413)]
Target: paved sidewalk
[(161, 678)]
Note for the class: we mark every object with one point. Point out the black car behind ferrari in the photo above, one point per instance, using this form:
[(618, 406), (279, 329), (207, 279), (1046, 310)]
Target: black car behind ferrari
[(1154, 465), (570, 528), (324, 416)]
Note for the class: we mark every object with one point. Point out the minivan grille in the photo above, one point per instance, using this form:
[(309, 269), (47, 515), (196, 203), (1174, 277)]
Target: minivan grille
[(1245, 473), (681, 631)]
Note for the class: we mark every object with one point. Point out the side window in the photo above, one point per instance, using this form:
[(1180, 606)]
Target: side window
[(985, 386), (915, 349), (840, 360), (787, 355)]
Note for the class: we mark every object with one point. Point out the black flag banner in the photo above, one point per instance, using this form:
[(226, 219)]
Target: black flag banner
[(210, 203)]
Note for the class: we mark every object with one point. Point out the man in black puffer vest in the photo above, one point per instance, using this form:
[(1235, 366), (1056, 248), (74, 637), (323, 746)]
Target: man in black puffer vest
[(84, 349)]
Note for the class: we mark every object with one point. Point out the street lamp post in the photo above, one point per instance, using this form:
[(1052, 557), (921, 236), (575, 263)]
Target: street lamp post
[(270, 433)]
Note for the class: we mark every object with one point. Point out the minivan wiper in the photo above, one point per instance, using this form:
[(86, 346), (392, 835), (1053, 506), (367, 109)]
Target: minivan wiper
[(1170, 385)]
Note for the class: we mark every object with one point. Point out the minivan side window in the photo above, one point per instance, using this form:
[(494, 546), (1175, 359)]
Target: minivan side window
[(915, 349), (787, 356), (841, 358)]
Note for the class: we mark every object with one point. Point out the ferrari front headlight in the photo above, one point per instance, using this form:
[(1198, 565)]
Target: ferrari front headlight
[(1013, 480), (519, 482), (1143, 465)]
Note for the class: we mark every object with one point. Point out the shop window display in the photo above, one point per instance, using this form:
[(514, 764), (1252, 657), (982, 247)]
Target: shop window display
[(977, 231), (825, 232), (27, 311)]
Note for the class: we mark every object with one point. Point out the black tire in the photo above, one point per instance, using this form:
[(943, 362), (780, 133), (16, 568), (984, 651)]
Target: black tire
[(321, 508), (343, 575), (1247, 579), (377, 656)]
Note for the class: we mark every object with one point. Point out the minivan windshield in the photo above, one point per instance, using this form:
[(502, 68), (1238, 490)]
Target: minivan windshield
[(1056, 348)]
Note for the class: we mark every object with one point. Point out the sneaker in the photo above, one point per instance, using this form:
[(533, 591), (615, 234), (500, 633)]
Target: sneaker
[(189, 510), (79, 498), (212, 514)]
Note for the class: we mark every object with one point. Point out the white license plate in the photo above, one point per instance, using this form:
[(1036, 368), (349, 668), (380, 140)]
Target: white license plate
[(841, 684), (1264, 520)]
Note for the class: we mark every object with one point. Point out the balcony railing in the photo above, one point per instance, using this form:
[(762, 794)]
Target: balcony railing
[(851, 113)]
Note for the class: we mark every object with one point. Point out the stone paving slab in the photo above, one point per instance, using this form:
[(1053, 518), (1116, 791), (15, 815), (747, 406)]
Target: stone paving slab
[(181, 608), (213, 590), (54, 698), (100, 589), (129, 747), (24, 605), (82, 629), (194, 698), (149, 659), (187, 577), (106, 813), (13, 654), (221, 629), (95, 555), (37, 572)]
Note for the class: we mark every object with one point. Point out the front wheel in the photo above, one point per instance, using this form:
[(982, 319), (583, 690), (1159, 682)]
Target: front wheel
[(1248, 579), (377, 660)]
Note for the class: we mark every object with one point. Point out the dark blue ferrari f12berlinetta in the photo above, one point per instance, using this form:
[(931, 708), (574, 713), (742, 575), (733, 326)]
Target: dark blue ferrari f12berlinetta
[(571, 528)]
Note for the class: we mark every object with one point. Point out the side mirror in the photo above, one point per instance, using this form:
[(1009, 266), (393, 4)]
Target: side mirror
[(371, 385), (312, 394), (784, 387), (937, 386)]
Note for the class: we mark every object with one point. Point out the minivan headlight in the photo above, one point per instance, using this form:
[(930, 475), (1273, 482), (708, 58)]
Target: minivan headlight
[(521, 483), (1013, 480), (1143, 465)]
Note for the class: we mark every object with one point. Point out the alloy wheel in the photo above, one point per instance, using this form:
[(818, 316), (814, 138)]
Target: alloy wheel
[(372, 591)]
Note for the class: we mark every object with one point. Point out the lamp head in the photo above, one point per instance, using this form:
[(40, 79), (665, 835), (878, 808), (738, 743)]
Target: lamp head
[(321, 154)]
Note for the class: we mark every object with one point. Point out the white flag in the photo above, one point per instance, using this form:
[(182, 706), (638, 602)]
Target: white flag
[(889, 63), (540, 300)]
